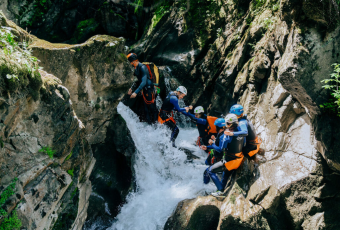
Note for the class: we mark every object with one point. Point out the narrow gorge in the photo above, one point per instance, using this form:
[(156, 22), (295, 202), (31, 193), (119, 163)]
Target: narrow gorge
[(74, 156)]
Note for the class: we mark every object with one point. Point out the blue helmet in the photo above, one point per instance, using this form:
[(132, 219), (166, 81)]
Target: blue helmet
[(236, 109), (220, 122)]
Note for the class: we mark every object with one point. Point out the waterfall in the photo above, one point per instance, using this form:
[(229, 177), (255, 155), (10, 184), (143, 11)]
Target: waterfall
[(163, 175)]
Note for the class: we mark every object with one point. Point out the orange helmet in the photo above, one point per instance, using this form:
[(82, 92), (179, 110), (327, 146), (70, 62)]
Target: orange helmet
[(132, 57)]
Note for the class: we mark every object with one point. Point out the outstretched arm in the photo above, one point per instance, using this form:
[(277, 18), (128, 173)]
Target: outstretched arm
[(198, 120), (174, 101)]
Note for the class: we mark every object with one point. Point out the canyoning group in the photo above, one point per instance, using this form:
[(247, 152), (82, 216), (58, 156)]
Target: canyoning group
[(226, 140)]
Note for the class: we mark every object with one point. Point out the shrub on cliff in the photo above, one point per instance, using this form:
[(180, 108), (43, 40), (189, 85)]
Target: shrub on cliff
[(332, 84), (18, 69)]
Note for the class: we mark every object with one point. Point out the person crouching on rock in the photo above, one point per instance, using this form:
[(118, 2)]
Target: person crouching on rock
[(206, 129), (231, 146), (253, 141), (145, 85), (216, 144), (166, 114)]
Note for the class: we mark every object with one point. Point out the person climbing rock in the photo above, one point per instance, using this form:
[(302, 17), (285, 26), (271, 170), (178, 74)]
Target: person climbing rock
[(231, 146), (204, 123), (216, 144), (166, 113), (143, 87), (253, 142)]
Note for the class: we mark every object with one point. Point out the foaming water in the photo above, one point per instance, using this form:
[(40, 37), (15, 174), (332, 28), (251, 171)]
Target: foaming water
[(163, 175)]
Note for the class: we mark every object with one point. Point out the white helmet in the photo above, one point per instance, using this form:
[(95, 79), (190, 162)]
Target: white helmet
[(199, 109), (182, 89), (231, 118)]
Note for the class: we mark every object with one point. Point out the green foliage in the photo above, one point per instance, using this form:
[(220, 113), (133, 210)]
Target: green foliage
[(159, 13), (268, 23), (199, 15), (219, 32), (332, 84), (276, 7), (9, 221), (50, 152), (74, 193), (69, 156), (40, 8), (70, 172), (18, 67), (138, 5), (259, 3), (84, 27)]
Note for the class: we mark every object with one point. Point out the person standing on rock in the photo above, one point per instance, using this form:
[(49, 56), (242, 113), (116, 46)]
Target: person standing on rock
[(145, 85), (206, 129), (166, 114), (253, 141), (231, 147)]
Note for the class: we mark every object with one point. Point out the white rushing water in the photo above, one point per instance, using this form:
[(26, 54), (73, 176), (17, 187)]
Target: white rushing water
[(163, 176)]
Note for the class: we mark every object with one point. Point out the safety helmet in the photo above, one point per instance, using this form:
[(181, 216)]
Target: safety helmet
[(236, 109), (182, 89), (132, 57), (199, 109), (231, 118), (220, 122)]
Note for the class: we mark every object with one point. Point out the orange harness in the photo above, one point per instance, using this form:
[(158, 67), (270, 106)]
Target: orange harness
[(161, 121), (149, 102), (234, 164), (257, 142)]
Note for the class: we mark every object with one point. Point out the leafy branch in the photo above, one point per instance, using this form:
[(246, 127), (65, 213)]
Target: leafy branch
[(333, 85)]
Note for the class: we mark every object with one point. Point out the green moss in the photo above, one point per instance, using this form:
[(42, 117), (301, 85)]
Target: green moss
[(70, 172), (87, 26), (158, 14), (36, 15), (18, 68), (200, 14), (9, 221), (232, 198), (50, 152), (69, 156)]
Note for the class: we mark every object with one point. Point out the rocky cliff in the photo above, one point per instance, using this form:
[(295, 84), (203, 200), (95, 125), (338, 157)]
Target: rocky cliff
[(269, 56), (54, 125)]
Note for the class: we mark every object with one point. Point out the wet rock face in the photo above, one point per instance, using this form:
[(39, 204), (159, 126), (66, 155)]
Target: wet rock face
[(273, 67), (97, 75), (44, 183), (73, 21)]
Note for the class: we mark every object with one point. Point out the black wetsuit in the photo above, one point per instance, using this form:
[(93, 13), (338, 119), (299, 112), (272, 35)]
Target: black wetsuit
[(234, 146), (251, 138), (144, 83), (170, 103)]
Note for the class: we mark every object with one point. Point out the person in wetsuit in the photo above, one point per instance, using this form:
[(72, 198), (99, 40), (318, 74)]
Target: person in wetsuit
[(253, 141), (144, 85), (166, 113), (231, 148), (204, 129)]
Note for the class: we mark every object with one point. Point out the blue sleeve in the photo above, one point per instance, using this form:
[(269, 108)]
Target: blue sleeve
[(189, 115), (242, 129), (174, 101), (224, 141), (198, 120), (144, 79)]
